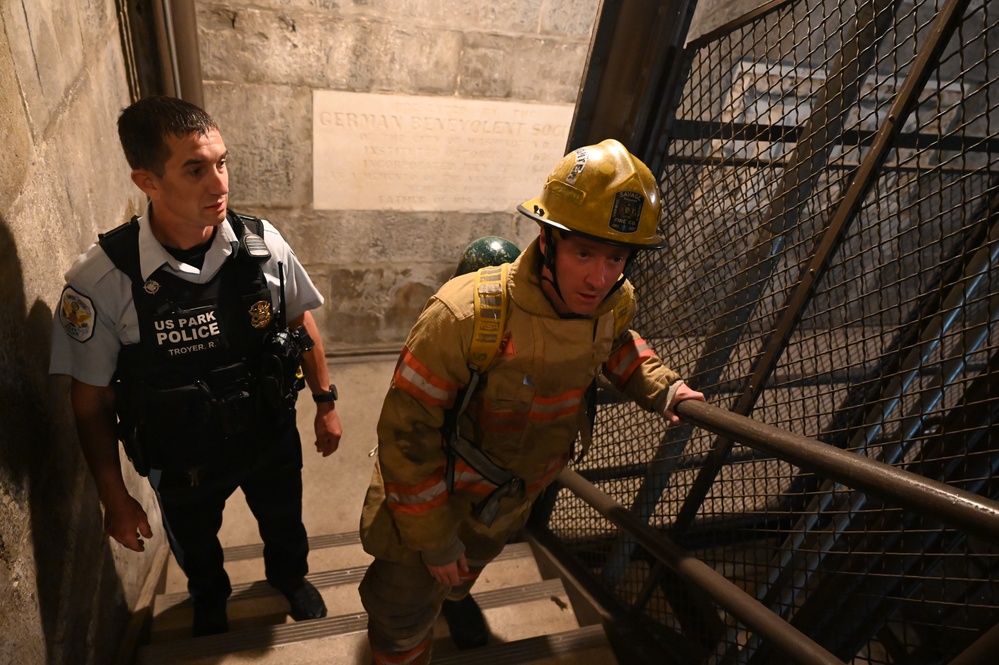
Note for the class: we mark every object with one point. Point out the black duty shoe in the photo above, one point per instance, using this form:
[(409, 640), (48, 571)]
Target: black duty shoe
[(306, 603), (209, 618), (465, 620)]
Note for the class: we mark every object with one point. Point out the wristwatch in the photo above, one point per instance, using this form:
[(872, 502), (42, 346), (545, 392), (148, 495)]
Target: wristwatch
[(330, 395)]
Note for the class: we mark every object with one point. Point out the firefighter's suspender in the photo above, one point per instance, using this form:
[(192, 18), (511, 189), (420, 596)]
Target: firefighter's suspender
[(489, 324)]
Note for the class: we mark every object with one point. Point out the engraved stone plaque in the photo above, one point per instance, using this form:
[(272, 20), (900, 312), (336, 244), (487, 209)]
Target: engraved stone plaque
[(409, 153)]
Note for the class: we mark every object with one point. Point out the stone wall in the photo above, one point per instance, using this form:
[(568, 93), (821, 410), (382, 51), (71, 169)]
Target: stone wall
[(64, 590), (262, 60)]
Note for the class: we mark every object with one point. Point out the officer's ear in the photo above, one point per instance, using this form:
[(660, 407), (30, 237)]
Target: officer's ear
[(145, 180)]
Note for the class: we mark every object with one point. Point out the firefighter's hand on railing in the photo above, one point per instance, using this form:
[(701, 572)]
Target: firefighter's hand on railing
[(679, 391)]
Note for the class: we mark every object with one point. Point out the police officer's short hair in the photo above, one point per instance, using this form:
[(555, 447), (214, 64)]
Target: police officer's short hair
[(143, 126)]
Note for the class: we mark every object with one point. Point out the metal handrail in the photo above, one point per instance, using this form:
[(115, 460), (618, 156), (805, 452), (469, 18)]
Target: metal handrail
[(728, 596), (952, 506)]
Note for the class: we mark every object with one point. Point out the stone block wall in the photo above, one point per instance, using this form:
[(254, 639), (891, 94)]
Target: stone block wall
[(262, 60), (65, 591)]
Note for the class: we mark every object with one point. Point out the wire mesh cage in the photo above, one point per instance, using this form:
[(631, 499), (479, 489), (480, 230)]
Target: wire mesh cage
[(832, 209)]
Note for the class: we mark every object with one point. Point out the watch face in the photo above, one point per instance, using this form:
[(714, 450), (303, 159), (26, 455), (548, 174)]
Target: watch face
[(333, 391)]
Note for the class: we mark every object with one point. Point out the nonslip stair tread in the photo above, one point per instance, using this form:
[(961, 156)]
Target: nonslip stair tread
[(250, 610), (265, 637), (256, 550), (562, 647), (258, 589), (516, 613), (328, 578), (244, 563), (249, 639), (580, 646)]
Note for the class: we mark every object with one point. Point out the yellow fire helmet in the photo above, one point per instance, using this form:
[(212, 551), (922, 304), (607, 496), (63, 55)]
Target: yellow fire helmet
[(602, 192)]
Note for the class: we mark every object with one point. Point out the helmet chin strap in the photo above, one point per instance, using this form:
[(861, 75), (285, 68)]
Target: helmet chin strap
[(548, 258)]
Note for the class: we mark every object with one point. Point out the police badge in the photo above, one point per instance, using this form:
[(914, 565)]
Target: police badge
[(260, 314)]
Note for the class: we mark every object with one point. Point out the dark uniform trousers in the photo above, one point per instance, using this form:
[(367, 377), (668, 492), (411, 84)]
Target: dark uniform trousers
[(267, 466)]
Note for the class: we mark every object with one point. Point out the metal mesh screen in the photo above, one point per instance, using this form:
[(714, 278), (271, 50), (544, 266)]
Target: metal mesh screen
[(891, 352)]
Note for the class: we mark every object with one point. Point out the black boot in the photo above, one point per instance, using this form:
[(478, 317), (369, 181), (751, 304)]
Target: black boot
[(210, 618), (306, 602), (465, 620)]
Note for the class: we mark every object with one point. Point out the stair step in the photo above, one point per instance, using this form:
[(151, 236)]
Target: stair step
[(244, 563), (256, 604), (258, 645), (580, 646), (256, 550), (518, 612), (532, 603)]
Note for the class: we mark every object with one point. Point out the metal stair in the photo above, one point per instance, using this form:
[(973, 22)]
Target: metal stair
[(531, 619)]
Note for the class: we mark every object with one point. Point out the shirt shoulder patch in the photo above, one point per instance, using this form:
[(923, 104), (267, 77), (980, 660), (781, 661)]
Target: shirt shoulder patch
[(76, 314)]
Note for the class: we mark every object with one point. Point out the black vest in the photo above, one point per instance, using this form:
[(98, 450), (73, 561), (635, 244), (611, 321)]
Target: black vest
[(192, 380)]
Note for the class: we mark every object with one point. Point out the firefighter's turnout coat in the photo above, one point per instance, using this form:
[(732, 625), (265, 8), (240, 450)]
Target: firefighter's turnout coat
[(525, 414)]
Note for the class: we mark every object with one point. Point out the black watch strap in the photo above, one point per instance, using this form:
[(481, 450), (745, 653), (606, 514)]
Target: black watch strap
[(329, 396)]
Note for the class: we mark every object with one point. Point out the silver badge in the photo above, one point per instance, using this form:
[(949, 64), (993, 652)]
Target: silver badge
[(151, 286)]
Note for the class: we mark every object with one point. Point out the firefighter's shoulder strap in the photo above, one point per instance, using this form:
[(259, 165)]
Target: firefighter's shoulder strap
[(489, 297), (622, 310)]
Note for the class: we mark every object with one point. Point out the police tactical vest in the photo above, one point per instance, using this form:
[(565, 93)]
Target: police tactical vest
[(191, 380)]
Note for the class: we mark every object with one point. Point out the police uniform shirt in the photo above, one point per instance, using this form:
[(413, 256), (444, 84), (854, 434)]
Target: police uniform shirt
[(96, 315)]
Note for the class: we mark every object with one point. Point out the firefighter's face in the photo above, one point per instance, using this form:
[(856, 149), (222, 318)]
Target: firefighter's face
[(587, 270), (193, 191)]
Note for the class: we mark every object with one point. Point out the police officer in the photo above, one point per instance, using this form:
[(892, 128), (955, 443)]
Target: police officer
[(433, 517), (183, 331)]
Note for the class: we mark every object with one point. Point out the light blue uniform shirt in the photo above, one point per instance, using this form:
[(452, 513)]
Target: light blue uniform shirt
[(96, 315)]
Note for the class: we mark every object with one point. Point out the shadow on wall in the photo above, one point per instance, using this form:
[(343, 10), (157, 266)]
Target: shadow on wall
[(48, 506)]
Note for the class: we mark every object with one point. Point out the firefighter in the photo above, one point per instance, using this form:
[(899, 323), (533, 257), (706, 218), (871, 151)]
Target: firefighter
[(185, 332), (464, 449)]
